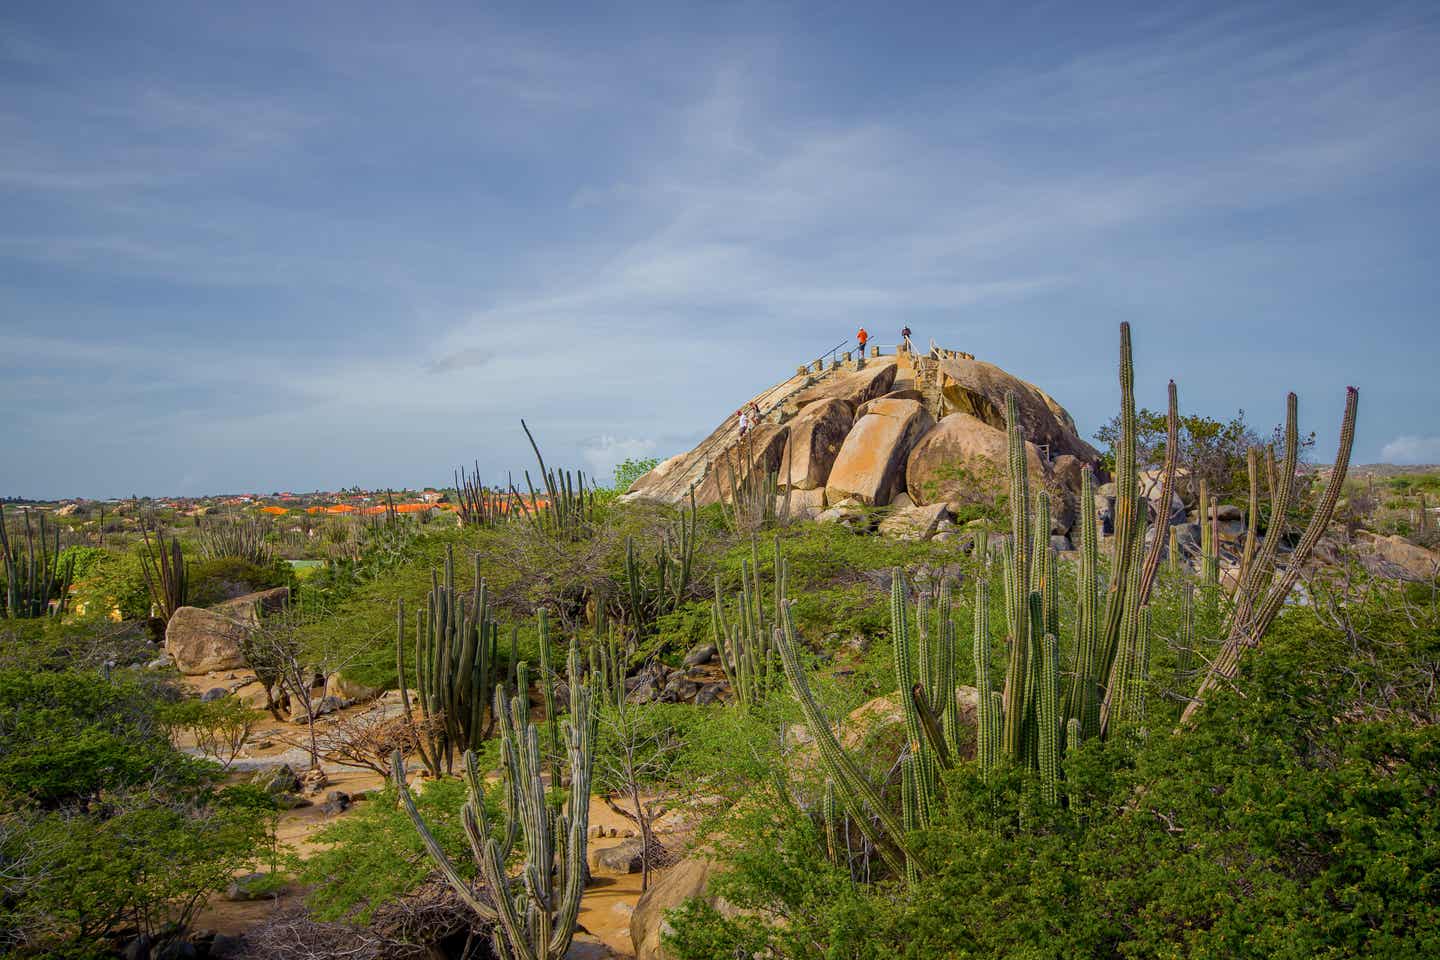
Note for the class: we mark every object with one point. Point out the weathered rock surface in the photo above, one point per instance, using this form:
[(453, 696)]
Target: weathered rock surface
[(979, 388), (670, 888), (853, 386), (871, 465), (964, 461), (203, 641), (265, 602), (814, 440), (914, 523), (618, 860), (1405, 560)]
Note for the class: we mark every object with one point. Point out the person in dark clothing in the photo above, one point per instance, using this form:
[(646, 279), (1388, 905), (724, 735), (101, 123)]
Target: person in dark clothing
[(905, 340)]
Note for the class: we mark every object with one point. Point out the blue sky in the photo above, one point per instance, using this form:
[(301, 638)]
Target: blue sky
[(298, 246)]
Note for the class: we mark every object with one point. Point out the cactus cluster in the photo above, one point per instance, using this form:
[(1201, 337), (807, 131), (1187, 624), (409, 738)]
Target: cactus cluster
[(1033, 718), (477, 505), (532, 911), (34, 572), (755, 498), (456, 643), (165, 573), (567, 510), (745, 640), (235, 537), (655, 588)]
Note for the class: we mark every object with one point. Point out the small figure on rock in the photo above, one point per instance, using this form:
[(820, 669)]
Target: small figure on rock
[(744, 423), (905, 339), (862, 338)]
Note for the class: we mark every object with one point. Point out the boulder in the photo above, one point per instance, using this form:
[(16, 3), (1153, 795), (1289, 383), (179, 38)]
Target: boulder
[(1227, 512), (814, 440), (848, 514), (204, 641), (700, 653), (349, 689), (710, 693), (914, 523), (870, 467), (979, 389), (964, 461), (670, 888), (1401, 559), (213, 694), (618, 860), (280, 780), (803, 504), (245, 608)]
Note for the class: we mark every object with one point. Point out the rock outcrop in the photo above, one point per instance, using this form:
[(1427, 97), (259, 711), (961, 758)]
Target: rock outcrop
[(979, 389), (863, 432)]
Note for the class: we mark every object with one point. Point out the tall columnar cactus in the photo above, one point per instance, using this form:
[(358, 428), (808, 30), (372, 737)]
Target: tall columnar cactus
[(34, 573), (1265, 590), (455, 666), (1047, 714), (1209, 540), (1167, 489), (988, 742), (1082, 699), (746, 644), (534, 911)]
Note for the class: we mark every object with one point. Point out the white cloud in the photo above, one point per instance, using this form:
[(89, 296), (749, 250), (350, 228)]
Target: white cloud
[(605, 453), (1411, 448)]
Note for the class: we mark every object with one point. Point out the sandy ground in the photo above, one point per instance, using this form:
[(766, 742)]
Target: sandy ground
[(604, 911)]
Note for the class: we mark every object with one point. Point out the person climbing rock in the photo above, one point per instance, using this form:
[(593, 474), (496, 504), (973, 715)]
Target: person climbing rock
[(744, 423), (905, 339), (862, 338)]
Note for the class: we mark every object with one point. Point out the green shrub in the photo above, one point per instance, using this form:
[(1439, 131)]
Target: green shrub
[(225, 578)]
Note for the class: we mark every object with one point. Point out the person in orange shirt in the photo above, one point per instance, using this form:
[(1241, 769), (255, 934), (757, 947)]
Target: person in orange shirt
[(862, 338)]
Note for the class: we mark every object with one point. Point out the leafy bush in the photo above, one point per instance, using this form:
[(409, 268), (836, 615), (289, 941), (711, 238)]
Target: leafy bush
[(71, 736), (632, 469), (219, 728), (225, 578)]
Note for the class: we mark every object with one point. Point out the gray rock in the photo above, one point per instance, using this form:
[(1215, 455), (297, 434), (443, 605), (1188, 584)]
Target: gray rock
[(162, 662), (226, 947), (336, 802), (1060, 544), (644, 691), (249, 886), (710, 693), (1227, 511), (214, 693), (137, 949), (177, 950), (700, 654), (678, 689), (622, 858), (277, 781)]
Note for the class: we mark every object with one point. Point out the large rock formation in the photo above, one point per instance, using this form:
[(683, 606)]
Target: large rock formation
[(870, 467), (866, 431)]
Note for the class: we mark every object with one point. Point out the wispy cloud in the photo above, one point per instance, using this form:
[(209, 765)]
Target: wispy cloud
[(1411, 449)]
